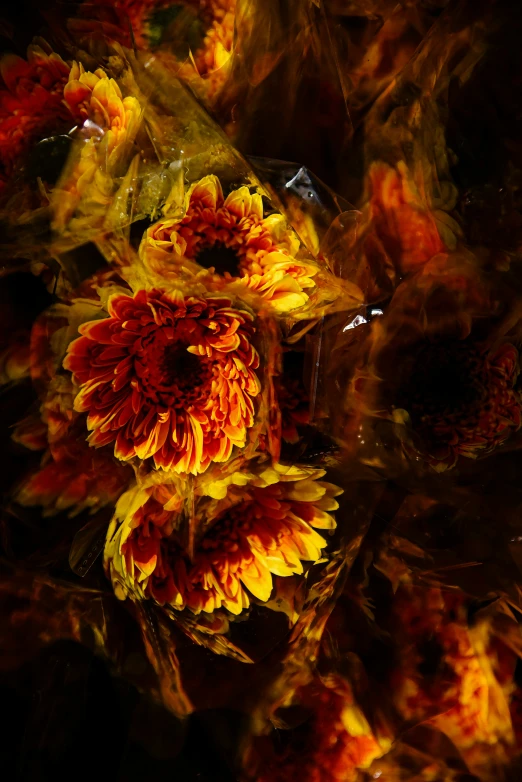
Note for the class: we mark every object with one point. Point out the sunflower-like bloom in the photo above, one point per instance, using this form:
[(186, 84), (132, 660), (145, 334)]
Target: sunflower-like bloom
[(232, 239), (168, 377), (113, 121), (263, 526), (31, 103), (334, 744)]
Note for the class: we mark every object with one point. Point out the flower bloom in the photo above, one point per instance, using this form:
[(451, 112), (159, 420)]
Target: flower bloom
[(72, 476), (334, 744), (449, 676), (464, 402), (31, 103), (430, 366), (258, 530), (231, 237), (113, 121), (406, 229), (168, 377)]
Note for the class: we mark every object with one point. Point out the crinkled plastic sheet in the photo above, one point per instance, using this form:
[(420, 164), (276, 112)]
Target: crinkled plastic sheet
[(402, 528)]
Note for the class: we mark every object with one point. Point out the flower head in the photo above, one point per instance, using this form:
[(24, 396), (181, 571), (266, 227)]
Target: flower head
[(439, 365), (168, 377), (334, 743), (464, 402), (213, 56), (450, 675), (233, 239), (264, 526)]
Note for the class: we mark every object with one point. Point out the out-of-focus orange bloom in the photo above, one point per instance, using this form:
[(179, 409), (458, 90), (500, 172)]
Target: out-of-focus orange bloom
[(263, 526), (81, 479), (463, 696), (231, 238), (334, 744), (465, 402), (15, 358), (404, 225), (168, 377)]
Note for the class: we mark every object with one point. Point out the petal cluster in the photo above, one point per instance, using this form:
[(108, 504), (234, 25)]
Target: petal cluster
[(335, 744), (111, 122), (465, 402)]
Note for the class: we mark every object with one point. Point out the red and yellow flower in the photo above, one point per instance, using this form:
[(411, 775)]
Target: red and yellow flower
[(233, 240), (334, 743), (31, 103), (463, 696), (112, 122), (219, 38), (167, 376), (262, 525)]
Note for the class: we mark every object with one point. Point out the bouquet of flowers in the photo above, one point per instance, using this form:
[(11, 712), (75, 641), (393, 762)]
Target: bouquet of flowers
[(262, 427)]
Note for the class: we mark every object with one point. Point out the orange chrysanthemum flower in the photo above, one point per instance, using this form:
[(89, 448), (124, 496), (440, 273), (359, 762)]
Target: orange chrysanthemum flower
[(31, 103), (258, 530), (231, 238), (96, 98), (168, 377), (333, 744)]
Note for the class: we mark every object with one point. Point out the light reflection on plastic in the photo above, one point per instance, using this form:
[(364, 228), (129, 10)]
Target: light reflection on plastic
[(357, 321), (92, 126), (373, 313)]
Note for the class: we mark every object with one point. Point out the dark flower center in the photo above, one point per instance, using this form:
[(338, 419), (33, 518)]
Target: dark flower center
[(179, 367), (448, 379), (223, 259)]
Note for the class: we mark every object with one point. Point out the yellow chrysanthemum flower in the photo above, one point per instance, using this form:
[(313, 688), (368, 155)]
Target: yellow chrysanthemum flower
[(264, 528)]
